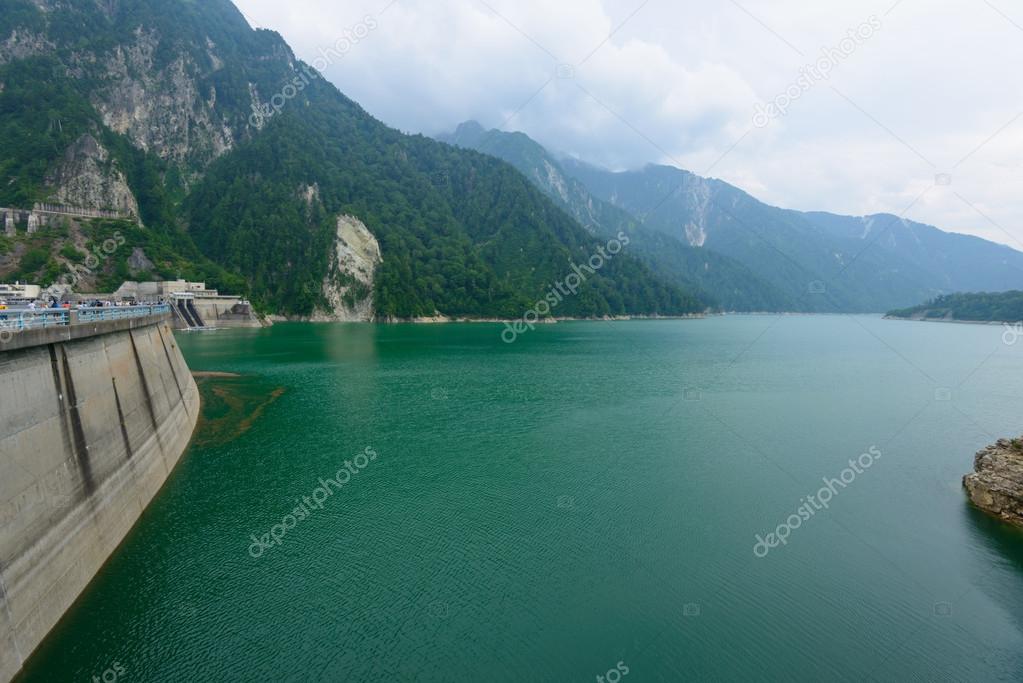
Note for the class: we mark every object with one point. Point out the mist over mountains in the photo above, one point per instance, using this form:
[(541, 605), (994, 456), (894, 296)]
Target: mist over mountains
[(755, 256)]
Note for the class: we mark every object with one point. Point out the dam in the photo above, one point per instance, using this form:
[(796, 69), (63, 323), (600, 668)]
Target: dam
[(96, 408)]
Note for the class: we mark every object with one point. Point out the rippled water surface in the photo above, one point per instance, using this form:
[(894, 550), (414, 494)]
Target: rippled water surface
[(585, 497)]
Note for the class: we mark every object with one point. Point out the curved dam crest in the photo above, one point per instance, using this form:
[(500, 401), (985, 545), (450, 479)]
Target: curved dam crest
[(93, 418)]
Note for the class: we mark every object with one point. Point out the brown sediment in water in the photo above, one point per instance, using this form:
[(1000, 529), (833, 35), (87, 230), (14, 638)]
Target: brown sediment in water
[(231, 406)]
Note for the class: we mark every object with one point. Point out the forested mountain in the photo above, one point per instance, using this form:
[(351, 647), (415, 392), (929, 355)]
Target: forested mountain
[(950, 261), (981, 307), (850, 264), (239, 156), (721, 281), (54, 147)]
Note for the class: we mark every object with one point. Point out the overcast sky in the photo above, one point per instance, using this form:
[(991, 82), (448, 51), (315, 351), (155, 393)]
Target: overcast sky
[(925, 88)]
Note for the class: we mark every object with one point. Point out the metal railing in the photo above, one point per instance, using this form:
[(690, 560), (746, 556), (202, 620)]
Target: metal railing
[(18, 319), (90, 315)]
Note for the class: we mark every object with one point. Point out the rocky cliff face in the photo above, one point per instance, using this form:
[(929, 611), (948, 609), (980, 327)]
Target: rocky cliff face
[(168, 79), (86, 177), (179, 123), (996, 485), (22, 44), (349, 286), (698, 197)]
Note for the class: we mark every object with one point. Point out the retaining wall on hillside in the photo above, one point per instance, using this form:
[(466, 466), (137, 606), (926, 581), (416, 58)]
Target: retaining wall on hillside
[(91, 424)]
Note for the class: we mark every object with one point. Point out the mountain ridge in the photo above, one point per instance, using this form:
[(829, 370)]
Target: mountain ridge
[(720, 281), (825, 261), (172, 92)]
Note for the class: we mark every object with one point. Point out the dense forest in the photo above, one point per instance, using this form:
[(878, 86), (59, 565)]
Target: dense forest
[(253, 200), (461, 233), (981, 307), (719, 281)]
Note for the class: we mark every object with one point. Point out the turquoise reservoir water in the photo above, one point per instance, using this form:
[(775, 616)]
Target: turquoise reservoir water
[(584, 501)]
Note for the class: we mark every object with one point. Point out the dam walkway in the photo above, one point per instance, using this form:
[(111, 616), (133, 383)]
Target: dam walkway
[(24, 327)]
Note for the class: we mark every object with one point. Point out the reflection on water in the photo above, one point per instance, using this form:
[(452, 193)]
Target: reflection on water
[(1002, 545)]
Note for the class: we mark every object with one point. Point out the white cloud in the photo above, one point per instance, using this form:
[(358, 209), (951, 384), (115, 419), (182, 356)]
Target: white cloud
[(679, 81)]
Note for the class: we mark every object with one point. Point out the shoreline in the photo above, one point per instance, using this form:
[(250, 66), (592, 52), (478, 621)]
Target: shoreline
[(951, 320), (446, 320)]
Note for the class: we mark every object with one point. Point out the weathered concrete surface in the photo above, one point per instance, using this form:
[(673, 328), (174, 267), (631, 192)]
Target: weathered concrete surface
[(227, 312), (90, 428)]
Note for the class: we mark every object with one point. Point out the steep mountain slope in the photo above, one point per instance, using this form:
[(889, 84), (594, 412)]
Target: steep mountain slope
[(952, 261), (224, 140), (721, 281), (846, 264), (55, 148)]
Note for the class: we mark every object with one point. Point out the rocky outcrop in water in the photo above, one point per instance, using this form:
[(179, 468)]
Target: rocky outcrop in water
[(996, 484)]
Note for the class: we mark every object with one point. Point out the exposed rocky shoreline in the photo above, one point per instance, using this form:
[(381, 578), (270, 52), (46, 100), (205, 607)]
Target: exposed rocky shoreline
[(996, 484)]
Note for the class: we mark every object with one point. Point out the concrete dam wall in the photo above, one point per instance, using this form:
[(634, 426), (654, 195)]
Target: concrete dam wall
[(93, 418)]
